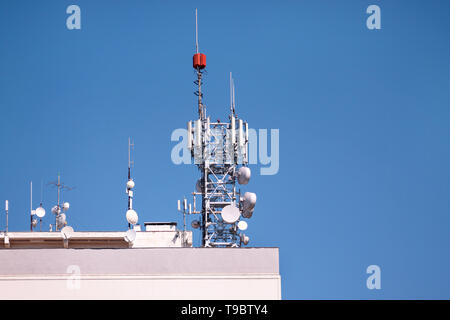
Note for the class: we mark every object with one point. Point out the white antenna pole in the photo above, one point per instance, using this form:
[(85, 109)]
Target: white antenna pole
[(231, 94), (196, 32), (6, 209), (234, 97), (31, 206)]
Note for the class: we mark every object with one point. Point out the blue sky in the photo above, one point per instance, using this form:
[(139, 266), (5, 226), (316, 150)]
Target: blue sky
[(364, 120)]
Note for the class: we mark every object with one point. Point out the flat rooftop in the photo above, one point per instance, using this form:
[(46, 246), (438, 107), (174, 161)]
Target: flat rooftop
[(162, 235)]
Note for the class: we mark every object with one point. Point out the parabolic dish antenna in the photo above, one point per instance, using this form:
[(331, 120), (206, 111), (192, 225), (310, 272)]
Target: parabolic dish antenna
[(230, 214), (67, 232), (132, 217), (242, 225), (244, 175), (56, 210), (40, 212), (66, 206), (130, 235), (130, 184)]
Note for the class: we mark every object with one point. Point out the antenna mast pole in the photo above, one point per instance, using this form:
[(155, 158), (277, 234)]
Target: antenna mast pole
[(60, 186), (130, 183), (198, 67), (196, 32), (31, 206), (59, 190), (6, 209)]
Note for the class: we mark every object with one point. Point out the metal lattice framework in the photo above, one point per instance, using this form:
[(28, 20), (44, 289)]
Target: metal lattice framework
[(218, 149)]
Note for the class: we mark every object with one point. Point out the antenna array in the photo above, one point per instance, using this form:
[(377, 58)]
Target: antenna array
[(60, 209), (219, 150)]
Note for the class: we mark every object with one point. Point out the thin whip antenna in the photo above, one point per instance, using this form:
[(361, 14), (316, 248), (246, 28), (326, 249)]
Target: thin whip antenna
[(130, 162), (234, 101), (42, 190), (231, 93), (31, 205), (196, 32)]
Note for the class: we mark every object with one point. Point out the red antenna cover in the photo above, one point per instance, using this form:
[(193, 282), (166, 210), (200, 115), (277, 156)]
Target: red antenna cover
[(199, 61)]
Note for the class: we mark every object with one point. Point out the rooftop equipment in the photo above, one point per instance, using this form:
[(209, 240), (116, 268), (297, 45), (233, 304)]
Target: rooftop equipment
[(219, 150)]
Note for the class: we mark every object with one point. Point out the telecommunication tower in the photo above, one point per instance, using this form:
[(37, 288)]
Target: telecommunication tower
[(220, 151)]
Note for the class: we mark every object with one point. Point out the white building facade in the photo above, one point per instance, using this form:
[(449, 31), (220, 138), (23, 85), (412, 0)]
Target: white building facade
[(103, 265)]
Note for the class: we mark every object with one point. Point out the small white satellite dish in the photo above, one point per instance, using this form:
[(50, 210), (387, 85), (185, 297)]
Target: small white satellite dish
[(244, 175), (56, 210), (132, 217), (66, 206), (67, 232), (195, 224), (249, 200), (130, 184), (242, 225), (130, 235), (40, 212), (230, 214), (61, 220)]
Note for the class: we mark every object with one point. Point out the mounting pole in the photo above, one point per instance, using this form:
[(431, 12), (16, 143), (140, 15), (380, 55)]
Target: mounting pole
[(6, 209), (129, 191), (31, 206), (196, 32)]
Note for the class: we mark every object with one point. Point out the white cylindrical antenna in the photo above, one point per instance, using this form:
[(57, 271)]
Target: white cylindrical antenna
[(233, 130), (6, 205), (179, 205), (189, 134), (185, 204), (246, 132), (208, 125), (190, 208), (241, 133), (198, 133), (196, 32), (232, 96)]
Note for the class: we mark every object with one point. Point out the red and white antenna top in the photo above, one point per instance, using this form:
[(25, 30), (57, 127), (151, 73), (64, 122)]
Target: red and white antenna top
[(199, 59)]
